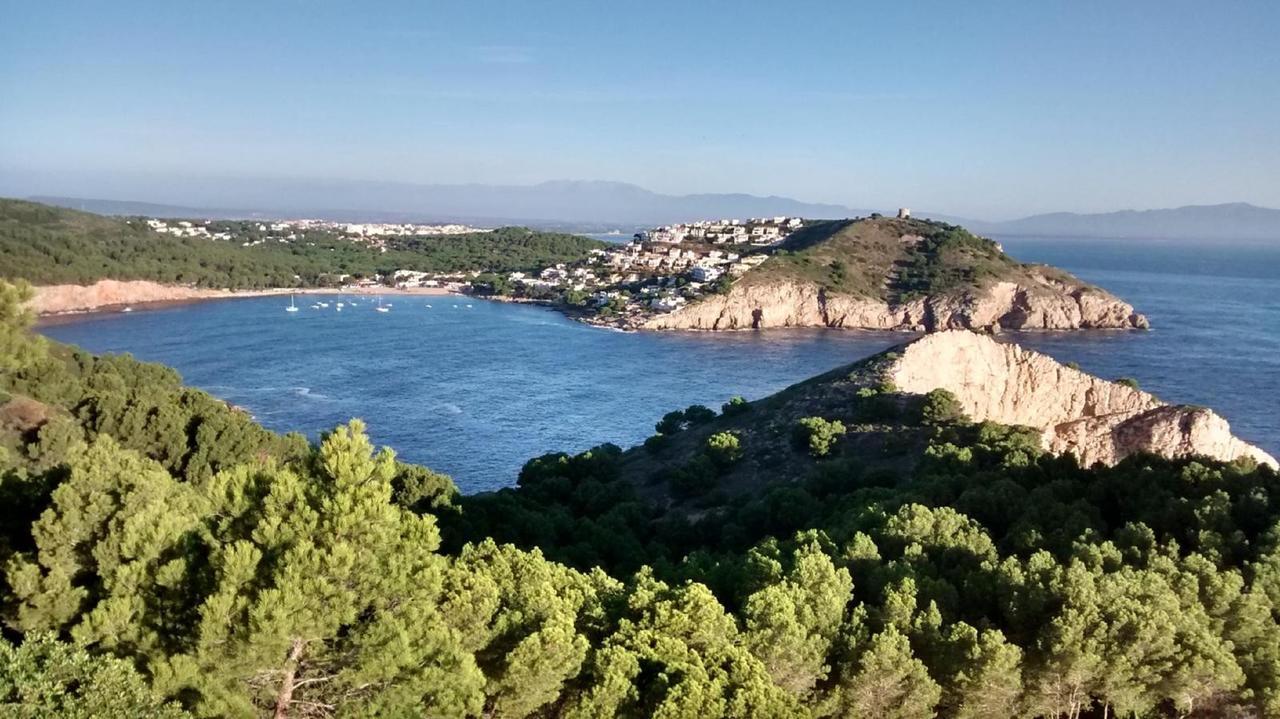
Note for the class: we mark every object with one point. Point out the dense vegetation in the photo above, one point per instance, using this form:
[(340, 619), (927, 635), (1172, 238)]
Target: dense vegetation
[(163, 557), (870, 258), (51, 245)]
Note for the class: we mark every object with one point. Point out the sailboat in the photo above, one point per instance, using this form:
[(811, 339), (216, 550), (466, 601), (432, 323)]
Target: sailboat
[(380, 308), (292, 307)]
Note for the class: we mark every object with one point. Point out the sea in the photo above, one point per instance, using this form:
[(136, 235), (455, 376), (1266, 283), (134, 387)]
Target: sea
[(474, 388)]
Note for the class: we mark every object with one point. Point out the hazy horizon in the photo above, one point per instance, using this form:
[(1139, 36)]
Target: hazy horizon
[(995, 111)]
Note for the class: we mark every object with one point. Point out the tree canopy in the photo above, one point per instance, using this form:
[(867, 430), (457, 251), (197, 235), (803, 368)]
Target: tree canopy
[(164, 556), (51, 245)]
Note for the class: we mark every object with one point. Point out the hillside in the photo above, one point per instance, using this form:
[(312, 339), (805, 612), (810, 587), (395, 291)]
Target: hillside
[(886, 409), (51, 245), (882, 273), (164, 556)]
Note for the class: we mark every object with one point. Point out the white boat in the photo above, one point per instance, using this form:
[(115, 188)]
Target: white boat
[(428, 306), (130, 309), (340, 305), (468, 306), (292, 307), (380, 308)]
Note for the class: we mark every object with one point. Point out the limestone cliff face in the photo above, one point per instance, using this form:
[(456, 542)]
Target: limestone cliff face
[(1094, 419), (1042, 305)]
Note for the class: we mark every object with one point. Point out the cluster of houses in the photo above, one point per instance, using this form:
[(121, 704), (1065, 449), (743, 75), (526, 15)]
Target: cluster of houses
[(185, 228), (405, 279), (761, 232), (660, 270), (291, 230), (379, 229)]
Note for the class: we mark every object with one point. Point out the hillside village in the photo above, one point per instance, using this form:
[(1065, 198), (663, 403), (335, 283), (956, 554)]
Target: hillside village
[(251, 233), (659, 270)]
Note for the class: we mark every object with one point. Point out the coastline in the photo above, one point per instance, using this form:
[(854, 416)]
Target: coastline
[(115, 296)]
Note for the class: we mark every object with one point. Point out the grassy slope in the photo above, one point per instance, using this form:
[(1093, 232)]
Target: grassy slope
[(869, 258), (49, 245), (884, 432)]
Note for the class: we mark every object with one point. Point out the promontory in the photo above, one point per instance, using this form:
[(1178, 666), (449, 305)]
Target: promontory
[(900, 274)]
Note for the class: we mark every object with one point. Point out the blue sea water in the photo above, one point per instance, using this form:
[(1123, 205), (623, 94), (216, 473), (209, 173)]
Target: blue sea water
[(475, 388)]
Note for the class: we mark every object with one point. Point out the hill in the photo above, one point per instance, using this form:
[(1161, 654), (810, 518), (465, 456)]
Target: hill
[(53, 245), (889, 416), (1232, 221), (882, 273)]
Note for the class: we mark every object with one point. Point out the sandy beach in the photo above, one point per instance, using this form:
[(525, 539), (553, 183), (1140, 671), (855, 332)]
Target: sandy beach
[(114, 295)]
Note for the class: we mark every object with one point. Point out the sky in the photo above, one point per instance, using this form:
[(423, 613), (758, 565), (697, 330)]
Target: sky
[(980, 109)]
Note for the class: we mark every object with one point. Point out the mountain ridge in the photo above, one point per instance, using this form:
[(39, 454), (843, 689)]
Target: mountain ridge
[(598, 205)]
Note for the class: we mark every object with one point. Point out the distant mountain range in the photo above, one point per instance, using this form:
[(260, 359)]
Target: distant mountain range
[(558, 204), (1232, 221), (587, 206)]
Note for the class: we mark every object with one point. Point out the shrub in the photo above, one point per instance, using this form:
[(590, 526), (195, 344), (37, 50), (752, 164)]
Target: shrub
[(670, 423), (817, 435), (656, 443), (834, 477), (679, 420), (695, 478), (735, 406), (1128, 382), (724, 449), (877, 405), (698, 414), (941, 407)]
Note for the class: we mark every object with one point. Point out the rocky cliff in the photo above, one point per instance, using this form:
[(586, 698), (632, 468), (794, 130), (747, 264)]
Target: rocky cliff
[(1041, 303), (1095, 419)]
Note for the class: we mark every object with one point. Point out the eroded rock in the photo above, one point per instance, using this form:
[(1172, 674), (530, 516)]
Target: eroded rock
[(1095, 419)]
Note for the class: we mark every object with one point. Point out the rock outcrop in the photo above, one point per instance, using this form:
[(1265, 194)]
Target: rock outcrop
[(1095, 419), (1044, 304)]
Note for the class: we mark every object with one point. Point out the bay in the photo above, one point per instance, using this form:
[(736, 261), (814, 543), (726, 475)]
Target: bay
[(475, 388)]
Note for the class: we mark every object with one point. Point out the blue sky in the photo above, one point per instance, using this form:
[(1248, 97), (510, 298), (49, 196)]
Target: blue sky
[(981, 109)]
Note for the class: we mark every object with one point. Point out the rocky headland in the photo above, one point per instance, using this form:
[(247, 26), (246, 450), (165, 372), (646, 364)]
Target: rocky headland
[(1096, 420), (1038, 304), (880, 408), (901, 274)]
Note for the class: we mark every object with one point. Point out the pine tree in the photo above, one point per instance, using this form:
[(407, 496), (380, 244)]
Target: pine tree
[(887, 682), (791, 624), (675, 654), (520, 615), (48, 679)]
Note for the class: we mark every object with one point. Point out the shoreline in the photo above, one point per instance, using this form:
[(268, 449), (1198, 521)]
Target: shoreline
[(104, 296), (52, 302)]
